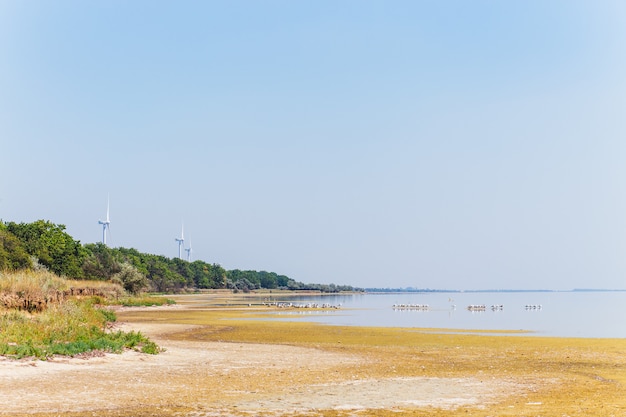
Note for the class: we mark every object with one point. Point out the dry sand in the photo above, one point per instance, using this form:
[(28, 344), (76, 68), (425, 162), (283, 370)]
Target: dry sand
[(164, 382)]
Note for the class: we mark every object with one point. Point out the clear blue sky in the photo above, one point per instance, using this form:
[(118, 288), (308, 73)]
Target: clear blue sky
[(441, 144)]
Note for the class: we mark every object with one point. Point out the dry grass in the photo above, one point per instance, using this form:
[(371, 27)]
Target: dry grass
[(45, 281), (41, 287), (31, 282)]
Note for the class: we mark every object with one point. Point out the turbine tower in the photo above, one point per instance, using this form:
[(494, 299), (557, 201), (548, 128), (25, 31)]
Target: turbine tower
[(181, 241), (188, 250), (106, 225)]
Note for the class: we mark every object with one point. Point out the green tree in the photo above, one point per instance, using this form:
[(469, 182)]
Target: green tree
[(163, 278), (200, 274), (52, 246), (282, 281), (134, 257), (100, 263), (268, 279), (131, 279), (13, 255)]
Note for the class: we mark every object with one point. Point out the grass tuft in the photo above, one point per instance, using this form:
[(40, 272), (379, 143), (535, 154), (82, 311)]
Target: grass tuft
[(145, 301)]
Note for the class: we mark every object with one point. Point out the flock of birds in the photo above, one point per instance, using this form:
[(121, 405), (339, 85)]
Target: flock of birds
[(411, 307), (416, 307), (306, 305), (471, 307)]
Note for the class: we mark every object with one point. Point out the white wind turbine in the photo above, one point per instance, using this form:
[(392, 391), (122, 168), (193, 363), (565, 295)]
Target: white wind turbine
[(188, 250), (181, 241), (106, 225)]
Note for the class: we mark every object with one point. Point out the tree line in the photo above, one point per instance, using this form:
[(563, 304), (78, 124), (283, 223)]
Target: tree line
[(42, 244)]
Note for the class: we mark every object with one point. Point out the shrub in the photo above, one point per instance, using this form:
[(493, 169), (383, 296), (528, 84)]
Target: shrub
[(70, 328), (131, 279)]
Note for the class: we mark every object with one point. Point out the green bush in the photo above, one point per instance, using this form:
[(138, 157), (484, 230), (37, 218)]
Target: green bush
[(69, 329), (146, 301), (109, 315)]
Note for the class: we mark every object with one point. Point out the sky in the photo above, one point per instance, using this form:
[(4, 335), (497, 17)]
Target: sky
[(388, 143)]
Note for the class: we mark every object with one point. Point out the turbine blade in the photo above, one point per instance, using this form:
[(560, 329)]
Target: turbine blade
[(110, 235)]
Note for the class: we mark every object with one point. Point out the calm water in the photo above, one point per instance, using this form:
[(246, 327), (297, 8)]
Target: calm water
[(563, 314)]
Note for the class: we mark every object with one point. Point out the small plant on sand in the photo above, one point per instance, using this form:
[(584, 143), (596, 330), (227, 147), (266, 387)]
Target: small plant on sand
[(145, 301)]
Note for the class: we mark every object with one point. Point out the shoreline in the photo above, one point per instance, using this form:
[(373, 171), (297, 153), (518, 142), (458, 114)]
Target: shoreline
[(217, 362)]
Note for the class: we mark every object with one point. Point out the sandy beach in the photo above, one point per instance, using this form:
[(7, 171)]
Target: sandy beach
[(212, 369)]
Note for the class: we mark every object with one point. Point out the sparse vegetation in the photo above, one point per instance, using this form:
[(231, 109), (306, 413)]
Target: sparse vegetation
[(145, 301), (42, 315)]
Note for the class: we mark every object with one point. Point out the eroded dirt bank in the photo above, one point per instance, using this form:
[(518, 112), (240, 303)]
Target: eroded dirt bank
[(215, 365)]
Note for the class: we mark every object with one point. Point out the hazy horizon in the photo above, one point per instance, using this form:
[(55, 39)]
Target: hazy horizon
[(451, 144)]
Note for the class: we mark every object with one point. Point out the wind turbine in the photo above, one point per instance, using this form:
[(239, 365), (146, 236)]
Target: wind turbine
[(106, 225), (181, 241), (188, 250)]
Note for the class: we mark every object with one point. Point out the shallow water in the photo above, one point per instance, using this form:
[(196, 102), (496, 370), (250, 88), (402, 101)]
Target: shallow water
[(590, 314)]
